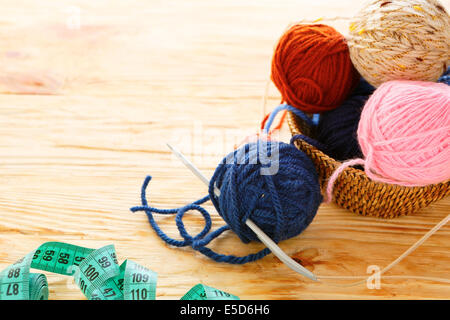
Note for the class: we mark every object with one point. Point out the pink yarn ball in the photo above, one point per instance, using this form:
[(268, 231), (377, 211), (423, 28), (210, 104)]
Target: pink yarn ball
[(404, 133)]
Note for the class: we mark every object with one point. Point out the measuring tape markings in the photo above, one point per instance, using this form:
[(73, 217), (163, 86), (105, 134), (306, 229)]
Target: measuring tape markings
[(60, 258), (96, 272), (134, 282), (14, 280), (140, 282), (96, 269), (203, 292), (111, 289)]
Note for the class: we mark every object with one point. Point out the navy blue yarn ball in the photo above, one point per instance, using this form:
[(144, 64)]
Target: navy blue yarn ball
[(445, 77), (272, 183), (337, 128)]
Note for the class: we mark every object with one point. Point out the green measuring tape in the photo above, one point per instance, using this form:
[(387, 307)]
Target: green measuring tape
[(96, 272), (202, 292)]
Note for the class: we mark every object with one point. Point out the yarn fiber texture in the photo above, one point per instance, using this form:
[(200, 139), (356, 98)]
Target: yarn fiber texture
[(400, 40), (282, 202), (272, 183), (404, 133), (445, 77), (337, 128), (312, 69)]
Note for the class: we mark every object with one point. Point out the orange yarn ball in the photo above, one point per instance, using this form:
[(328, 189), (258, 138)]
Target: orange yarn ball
[(312, 69)]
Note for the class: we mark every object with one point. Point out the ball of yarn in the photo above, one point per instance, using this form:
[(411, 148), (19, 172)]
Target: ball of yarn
[(272, 183), (404, 133), (337, 128), (400, 40), (311, 68)]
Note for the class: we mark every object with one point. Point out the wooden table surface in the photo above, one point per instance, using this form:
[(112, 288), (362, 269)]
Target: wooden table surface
[(90, 93)]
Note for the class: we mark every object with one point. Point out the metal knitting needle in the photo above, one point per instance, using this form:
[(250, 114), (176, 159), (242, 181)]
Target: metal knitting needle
[(276, 250)]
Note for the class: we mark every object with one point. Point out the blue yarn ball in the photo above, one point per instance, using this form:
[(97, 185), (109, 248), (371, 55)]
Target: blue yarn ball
[(337, 128), (445, 77), (272, 183)]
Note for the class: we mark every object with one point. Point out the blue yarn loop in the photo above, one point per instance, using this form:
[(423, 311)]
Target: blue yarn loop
[(297, 112), (272, 183), (312, 122), (197, 242)]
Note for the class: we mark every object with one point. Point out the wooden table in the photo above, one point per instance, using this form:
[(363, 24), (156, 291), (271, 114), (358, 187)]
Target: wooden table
[(90, 94)]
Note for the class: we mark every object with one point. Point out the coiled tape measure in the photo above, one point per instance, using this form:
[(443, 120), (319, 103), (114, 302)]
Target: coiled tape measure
[(96, 272)]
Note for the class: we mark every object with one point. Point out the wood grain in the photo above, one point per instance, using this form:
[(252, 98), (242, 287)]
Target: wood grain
[(90, 94)]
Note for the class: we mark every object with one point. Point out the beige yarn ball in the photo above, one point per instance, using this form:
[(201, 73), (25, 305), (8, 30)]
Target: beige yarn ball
[(400, 40)]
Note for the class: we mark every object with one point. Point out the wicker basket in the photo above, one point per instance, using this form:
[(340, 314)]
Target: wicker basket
[(354, 191)]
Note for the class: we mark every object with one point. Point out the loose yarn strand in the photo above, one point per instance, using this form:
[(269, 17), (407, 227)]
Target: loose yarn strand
[(286, 107), (199, 241), (337, 173)]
